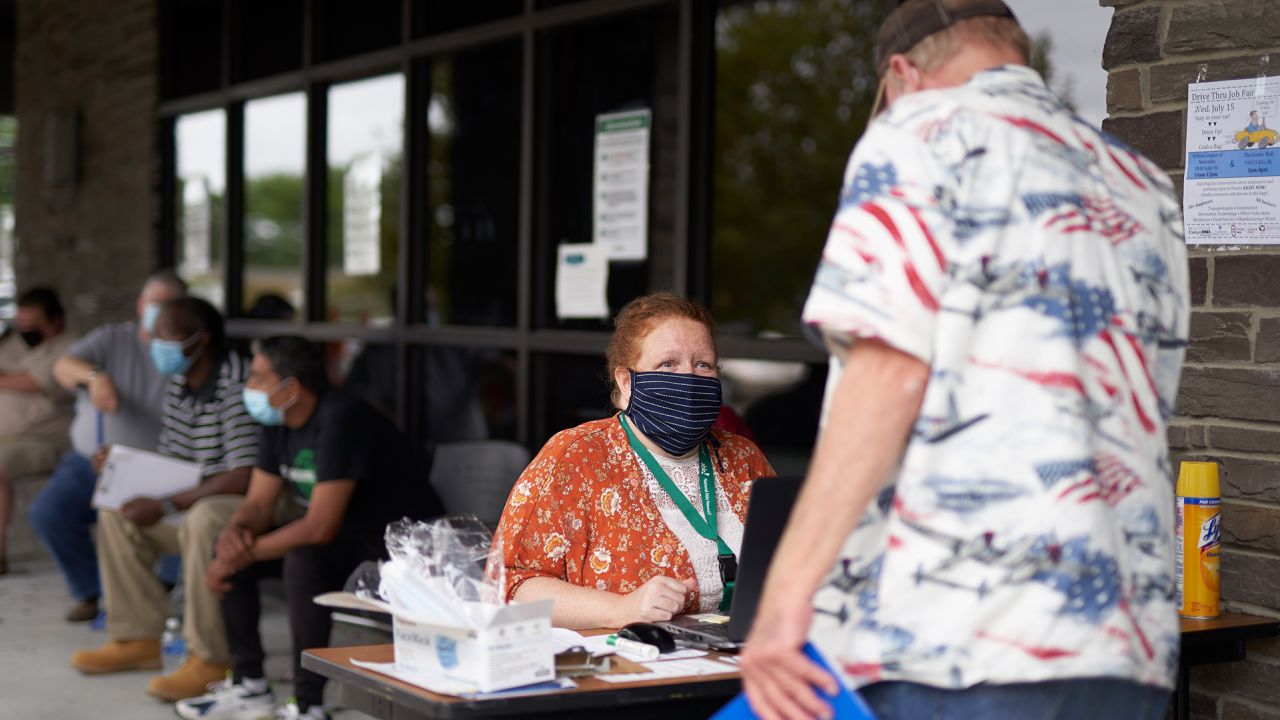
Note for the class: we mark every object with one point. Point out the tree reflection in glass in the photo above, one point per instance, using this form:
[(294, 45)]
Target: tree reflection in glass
[(200, 141), (366, 130), (274, 168)]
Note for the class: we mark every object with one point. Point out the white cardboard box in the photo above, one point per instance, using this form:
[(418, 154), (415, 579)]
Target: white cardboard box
[(512, 650)]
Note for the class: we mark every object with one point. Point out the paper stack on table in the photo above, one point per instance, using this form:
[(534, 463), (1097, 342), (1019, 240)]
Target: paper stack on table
[(674, 669)]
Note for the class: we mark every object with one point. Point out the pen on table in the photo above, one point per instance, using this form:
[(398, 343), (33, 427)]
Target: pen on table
[(644, 650)]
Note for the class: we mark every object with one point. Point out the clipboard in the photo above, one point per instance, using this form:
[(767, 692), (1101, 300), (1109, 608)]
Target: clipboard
[(131, 473)]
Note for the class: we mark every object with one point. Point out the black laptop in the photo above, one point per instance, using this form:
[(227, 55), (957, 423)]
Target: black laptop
[(767, 513)]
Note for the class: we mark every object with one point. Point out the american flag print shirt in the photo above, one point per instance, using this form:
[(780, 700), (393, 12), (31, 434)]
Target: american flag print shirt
[(1038, 267)]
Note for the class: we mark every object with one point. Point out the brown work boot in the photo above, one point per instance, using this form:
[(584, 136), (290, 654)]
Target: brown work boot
[(190, 680), (119, 656)]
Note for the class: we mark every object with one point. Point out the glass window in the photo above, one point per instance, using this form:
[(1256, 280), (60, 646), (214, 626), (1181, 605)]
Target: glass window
[(1067, 45), (568, 390), (345, 28), (200, 186), (625, 63), (366, 127), (431, 18), (778, 403), (275, 157), (473, 187), (192, 46), (464, 393), (266, 38), (8, 176), (367, 370), (794, 84), (467, 394)]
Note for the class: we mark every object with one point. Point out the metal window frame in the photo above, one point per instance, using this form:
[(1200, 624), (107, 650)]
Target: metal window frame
[(412, 57)]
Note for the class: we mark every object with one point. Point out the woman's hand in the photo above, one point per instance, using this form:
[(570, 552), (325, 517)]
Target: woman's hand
[(659, 598)]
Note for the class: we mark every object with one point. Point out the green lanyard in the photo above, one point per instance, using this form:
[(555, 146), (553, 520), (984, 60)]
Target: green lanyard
[(704, 526)]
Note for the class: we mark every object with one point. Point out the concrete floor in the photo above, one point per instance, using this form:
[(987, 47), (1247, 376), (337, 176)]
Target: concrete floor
[(37, 683)]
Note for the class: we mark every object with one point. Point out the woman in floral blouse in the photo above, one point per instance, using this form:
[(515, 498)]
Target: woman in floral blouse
[(637, 517)]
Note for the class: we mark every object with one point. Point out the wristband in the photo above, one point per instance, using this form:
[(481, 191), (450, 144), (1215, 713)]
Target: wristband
[(167, 507)]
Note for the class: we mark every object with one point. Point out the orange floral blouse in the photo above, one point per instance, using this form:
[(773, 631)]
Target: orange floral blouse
[(582, 512)]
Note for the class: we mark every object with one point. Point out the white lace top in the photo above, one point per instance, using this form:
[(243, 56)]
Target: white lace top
[(702, 552)]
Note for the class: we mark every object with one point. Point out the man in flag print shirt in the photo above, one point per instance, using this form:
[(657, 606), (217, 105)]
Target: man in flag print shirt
[(987, 525)]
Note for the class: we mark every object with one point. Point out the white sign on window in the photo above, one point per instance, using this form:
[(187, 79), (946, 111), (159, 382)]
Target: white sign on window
[(620, 191), (582, 281), (197, 226), (362, 216)]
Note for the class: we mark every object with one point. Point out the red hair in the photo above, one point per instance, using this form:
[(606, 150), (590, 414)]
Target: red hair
[(637, 319)]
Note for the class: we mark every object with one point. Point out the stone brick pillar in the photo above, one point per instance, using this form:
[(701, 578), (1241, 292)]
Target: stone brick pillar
[(96, 241), (1229, 404)]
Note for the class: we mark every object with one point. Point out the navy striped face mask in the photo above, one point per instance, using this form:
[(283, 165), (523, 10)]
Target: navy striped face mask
[(674, 410)]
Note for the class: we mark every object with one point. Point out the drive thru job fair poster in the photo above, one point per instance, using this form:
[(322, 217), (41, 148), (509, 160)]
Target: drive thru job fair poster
[(1232, 183)]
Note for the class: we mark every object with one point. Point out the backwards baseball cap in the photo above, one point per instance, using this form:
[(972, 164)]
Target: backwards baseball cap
[(915, 20)]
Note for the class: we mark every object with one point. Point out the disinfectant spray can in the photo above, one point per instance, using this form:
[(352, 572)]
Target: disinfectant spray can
[(1199, 535)]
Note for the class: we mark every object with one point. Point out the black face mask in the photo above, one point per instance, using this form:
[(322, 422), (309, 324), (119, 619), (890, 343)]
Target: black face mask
[(31, 337)]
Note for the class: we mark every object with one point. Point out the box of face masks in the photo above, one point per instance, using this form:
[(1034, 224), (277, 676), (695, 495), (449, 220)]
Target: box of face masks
[(466, 650)]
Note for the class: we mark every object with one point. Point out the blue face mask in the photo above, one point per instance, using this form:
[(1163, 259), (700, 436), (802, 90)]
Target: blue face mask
[(258, 404), (674, 410), (150, 312), (169, 356)]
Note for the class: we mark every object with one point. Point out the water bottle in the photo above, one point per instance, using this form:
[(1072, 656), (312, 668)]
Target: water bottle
[(173, 648)]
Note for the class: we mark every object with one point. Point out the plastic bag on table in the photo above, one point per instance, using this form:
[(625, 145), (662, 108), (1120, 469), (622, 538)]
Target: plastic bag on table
[(448, 568)]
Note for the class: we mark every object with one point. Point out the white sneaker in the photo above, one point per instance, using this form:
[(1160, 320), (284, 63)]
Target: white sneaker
[(227, 701), (290, 711)]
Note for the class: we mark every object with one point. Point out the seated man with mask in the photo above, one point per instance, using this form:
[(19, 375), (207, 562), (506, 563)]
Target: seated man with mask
[(609, 518), (351, 471), (35, 412), (119, 398), (204, 422)]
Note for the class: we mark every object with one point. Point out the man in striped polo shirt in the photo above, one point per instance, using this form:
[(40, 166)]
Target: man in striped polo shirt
[(204, 421)]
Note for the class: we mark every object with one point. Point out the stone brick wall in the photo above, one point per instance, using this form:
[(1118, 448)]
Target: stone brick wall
[(1229, 404), (94, 242)]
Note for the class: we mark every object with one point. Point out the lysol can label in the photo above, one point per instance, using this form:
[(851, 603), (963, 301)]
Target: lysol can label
[(1199, 524)]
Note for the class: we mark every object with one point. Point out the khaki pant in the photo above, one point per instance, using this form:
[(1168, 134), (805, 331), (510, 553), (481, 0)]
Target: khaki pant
[(23, 456), (137, 604)]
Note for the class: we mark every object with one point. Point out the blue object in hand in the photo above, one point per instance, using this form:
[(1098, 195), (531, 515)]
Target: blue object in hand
[(847, 704)]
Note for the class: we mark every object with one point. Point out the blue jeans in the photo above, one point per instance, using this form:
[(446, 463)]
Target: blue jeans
[(62, 517), (1092, 698)]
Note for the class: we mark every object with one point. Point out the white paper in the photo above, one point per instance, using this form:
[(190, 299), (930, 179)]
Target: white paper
[(620, 189), (597, 645), (582, 281), (362, 216), (131, 473), (1232, 183), (673, 669)]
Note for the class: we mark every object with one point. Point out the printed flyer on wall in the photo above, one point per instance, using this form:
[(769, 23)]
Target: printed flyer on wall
[(1232, 184)]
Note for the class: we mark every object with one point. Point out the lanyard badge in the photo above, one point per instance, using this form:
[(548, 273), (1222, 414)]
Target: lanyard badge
[(704, 526)]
